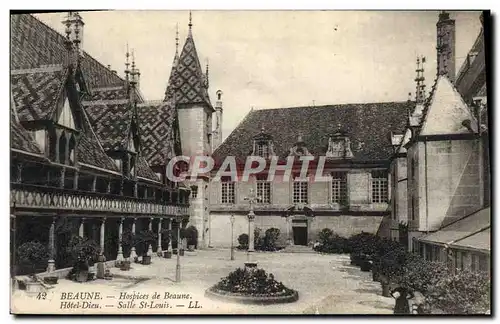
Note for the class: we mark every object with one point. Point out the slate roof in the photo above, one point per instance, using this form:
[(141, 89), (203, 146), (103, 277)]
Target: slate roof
[(189, 82), (34, 44), (156, 123), (20, 139), (144, 171), (367, 125), (478, 241), (36, 91), (111, 121)]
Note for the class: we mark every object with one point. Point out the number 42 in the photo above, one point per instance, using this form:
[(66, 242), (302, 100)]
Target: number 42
[(41, 295)]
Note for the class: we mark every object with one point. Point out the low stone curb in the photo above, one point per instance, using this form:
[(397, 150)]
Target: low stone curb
[(259, 300)]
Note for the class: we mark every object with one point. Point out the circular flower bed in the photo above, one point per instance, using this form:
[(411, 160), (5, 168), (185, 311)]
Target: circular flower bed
[(252, 286)]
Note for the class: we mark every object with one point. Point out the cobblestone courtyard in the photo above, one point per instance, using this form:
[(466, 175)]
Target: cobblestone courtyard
[(327, 284)]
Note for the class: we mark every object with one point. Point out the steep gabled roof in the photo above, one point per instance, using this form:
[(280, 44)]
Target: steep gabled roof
[(157, 123), (368, 125), (36, 91), (445, 111), (111, 120), (187, 77), (20, 139), (34, 44)]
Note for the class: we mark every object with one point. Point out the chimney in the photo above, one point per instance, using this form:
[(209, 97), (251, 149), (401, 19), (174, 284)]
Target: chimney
[(217, 137), (446, 46)]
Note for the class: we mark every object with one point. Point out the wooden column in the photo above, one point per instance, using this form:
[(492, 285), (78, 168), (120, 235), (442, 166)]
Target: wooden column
[(19, 169), (133, 254), (158, 249), (66, 149), (61, 179), (94, 183), (108, 186), (51, 267), (135, 189), (119, 257), (81, 230), (75, 181)]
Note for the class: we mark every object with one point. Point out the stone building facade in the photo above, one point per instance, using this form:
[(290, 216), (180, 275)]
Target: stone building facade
[(446, 148), (352, 194)]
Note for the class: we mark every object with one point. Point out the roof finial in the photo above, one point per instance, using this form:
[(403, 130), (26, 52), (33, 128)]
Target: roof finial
[(177, 39), (190, 22), (419, 79), (206, 76), (127, 64)]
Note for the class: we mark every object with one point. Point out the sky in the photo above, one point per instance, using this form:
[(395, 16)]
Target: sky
[(277, 59)]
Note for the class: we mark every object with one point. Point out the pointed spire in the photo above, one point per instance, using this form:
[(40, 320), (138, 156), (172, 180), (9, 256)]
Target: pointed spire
[(190, 24)]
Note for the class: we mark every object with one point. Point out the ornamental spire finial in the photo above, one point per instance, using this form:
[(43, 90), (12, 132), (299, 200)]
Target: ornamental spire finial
[(190, 22), (177, 39)]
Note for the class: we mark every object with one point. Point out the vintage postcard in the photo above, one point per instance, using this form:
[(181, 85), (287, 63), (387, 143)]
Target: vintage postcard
[(250, 162)]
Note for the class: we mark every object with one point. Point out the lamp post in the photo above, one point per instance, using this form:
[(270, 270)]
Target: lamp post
[(178, 265), (252, 199), (232, 237)]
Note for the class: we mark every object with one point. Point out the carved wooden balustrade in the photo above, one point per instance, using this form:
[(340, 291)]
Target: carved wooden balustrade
[(48, 198)]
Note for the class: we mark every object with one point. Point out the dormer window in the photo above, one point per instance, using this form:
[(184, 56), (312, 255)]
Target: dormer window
[(339, 146), (299, 149), (263, 145), (262, 149)]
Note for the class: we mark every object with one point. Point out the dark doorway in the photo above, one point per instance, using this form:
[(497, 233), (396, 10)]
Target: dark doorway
[(299, 235)]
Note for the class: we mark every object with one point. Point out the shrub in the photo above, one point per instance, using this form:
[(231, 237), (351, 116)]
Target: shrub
[(243, 241), (270, 240), (258, 241), (329, 242), (192, 235), (143, 239), (324, 235), (31, 254), (83, 249), (254, 282), (464, 292)]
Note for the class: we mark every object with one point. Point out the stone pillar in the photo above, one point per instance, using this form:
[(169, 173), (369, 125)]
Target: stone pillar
[(169, 246), (251, 228), (81, 230), (103, 228), (119, 257), (133, 254), (150, 247), (51, 267), (158, 249)]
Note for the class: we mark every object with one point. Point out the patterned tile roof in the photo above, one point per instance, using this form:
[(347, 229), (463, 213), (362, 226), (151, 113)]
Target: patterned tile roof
[(188, 79), (36, 91), (111, 121), (144, 171), (34, 44), (367, 125), (20, 139), (156, 122)]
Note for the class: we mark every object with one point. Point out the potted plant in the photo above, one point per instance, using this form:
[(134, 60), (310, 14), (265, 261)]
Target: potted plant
[(32, 254), (145, 238), (192, 237), (127, 241), (84, 253), (166, 235)]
